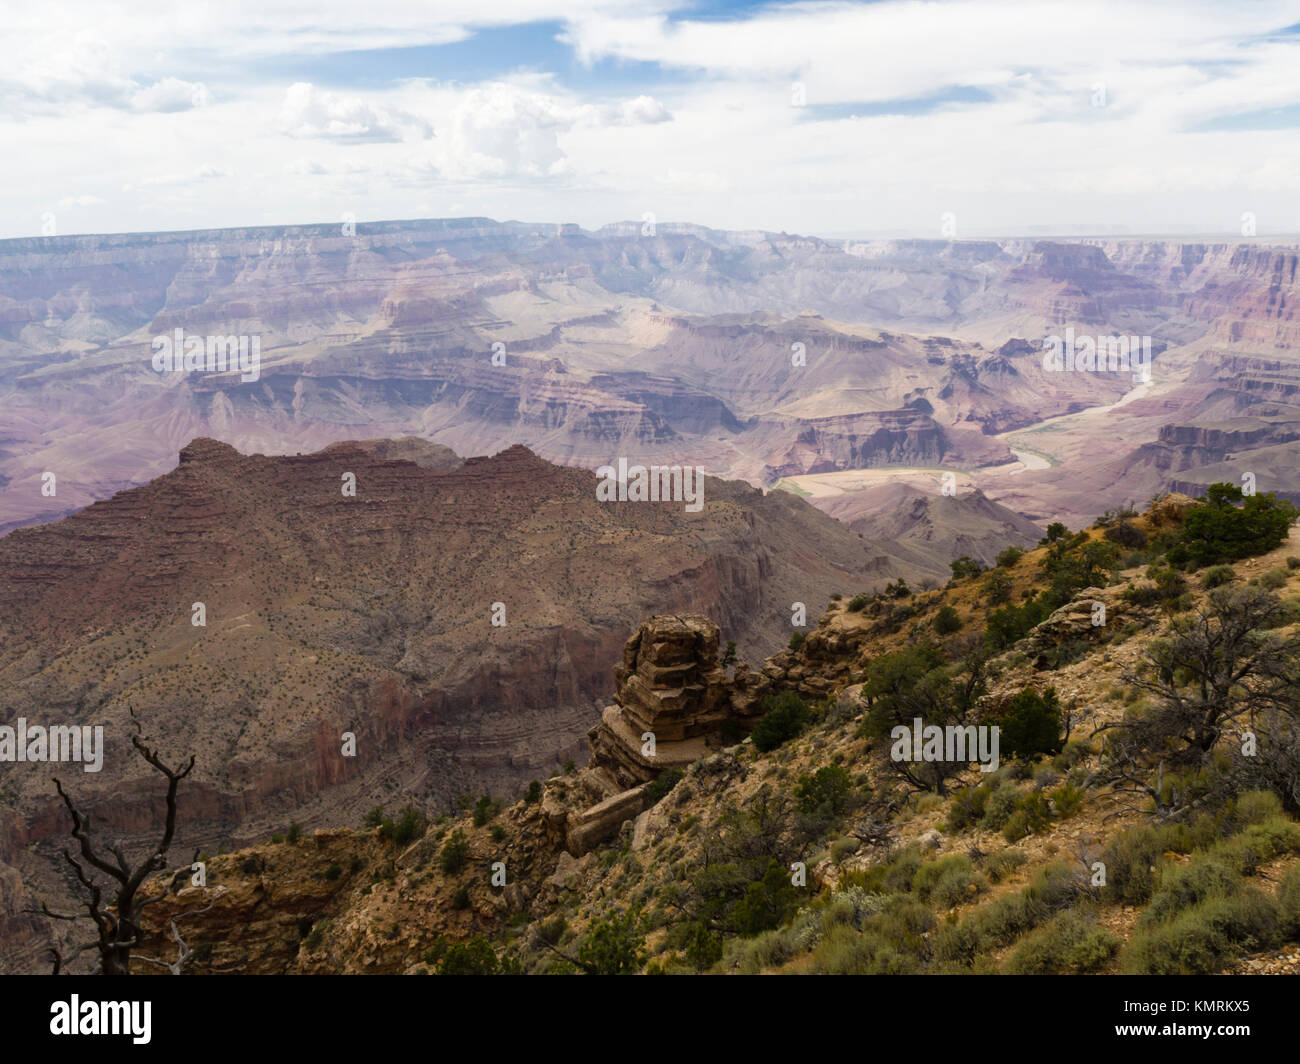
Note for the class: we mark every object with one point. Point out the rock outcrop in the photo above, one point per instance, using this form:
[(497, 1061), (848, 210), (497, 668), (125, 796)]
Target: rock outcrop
[(675, 704)]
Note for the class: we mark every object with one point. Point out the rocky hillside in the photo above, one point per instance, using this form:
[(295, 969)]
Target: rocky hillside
[(456, 617), (1130, 823)]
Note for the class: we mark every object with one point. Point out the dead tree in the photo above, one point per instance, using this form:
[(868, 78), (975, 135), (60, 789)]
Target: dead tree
[(183, 951), (117, 922)]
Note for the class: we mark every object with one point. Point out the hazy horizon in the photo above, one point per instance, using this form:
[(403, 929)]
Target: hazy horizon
[(832, 236)]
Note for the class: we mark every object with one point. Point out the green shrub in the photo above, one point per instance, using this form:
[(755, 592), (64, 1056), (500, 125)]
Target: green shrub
[(1031, 815), (842, 848), (455, 853), (663, 783), (901, 870), (1000, 805), (1220, 531), (435, 952), (785, 716), (858, 602), (997, 866), (1133, 861), (968, 807), (704, 948), (1070, 942), (409, 826), (948, 881), (947, 621), (484, 810), (957, 943), (897, 589), (333, 872), (1184, 886), (473, 957), (534, 793), (1200, 940), (997, 588), (1256, 807), (964, 567), (1288, 899), (1218, 576), (1273, 579), (1258, 843), (1056, 886), (1008, 557), (903, 922), (1067, 799), (750, 956), (796, 639), (826, 791), (294, 834), (613, 947), (1004, 920), (1126, 535), (1031, 724), (765, 904)]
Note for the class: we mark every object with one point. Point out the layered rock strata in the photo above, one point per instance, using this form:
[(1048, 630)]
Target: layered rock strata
[(675, 704)]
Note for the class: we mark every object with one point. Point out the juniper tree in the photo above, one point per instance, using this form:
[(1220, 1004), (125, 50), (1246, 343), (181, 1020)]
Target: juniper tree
[(1222, 667)]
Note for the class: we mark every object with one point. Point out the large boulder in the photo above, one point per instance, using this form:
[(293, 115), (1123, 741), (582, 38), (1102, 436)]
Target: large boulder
[(673, 698)]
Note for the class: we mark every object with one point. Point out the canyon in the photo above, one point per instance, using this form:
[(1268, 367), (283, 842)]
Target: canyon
[(755, 355), (395, 532)]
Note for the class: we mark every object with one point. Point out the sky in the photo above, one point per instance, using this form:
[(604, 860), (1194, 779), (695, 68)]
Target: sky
[(951, 118)]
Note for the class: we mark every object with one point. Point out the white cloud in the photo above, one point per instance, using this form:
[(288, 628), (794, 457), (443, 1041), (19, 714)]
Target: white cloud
[(644, 110), (170, 95), (55, 71), (311, 112), (711, 136), (500, 130), (55, 75), (206, 172), (305, 168), (517, 129)]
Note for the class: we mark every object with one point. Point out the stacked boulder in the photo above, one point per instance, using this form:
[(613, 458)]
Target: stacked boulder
[(672, 707)]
